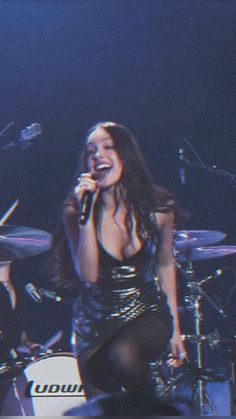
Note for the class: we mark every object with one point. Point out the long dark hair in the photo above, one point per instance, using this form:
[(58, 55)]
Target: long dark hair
[(142, 197)]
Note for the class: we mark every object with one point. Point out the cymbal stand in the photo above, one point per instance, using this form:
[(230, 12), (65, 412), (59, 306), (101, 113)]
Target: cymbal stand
[(232, 354), (193, 300)]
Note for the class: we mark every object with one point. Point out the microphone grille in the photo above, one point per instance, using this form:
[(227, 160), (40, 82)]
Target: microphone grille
[(31, 131), (29, 287)]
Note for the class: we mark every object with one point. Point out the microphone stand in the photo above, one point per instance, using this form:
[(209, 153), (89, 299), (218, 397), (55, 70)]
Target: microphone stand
[(201, 165), (212, 170), (24, 138)]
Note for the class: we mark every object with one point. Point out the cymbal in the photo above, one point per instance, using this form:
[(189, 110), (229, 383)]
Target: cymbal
[(20, 242), (200, 253), (188, 239)]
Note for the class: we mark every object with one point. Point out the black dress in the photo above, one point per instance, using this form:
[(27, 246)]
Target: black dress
[(124, 291)]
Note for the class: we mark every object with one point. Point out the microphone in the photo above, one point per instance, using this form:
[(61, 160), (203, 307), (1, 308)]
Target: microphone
[(33, 292), (28, 133), (182, 170), (39, 294), (24, 139), (51, 295), (85, 205)]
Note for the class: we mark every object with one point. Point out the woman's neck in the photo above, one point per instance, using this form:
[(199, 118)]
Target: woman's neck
[(109, 201)]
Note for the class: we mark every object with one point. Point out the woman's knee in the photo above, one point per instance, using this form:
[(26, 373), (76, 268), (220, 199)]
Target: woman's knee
[(123, 354)]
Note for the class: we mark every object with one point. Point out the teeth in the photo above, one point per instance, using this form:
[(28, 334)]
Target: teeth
[(103, 166)]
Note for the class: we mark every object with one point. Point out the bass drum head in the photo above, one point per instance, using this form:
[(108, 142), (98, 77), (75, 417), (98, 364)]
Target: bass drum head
[(48, 386)]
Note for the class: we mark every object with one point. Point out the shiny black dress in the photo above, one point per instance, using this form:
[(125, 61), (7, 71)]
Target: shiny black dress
[(124, 291)]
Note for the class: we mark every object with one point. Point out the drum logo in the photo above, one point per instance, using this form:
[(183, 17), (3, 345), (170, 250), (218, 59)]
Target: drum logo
[(33, 389)]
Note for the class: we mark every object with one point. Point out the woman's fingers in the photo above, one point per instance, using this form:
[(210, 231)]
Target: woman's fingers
[(85, 183), (176, 360)]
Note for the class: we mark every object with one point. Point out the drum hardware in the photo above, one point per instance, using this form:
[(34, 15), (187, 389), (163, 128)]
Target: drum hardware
[(201, 253), (212, 339), (184, 243), (164, 383), (52, 340), (10, 351), (189, 239), (200, 165), (44, 349), (8, 371), (232, 358), (9, 211), (195, 286), (22, 356), (169, 385), (20, 242), (194, 304), (47, 386)]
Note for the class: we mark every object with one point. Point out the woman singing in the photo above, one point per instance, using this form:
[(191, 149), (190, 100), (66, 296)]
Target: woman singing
[(121, 257)]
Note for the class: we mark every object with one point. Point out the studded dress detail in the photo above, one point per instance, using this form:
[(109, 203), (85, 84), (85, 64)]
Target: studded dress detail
[(125, 290)]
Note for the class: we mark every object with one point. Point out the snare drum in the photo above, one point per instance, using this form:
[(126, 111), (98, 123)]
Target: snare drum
[(47, 386)]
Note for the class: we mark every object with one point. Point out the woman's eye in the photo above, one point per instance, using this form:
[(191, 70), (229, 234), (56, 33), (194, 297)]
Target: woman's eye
[(109, 147)]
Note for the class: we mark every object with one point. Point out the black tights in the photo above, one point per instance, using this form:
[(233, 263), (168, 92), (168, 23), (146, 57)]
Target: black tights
[(123, 361)]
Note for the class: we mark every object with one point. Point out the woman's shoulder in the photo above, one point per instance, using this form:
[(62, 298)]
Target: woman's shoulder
[(165, 200), (163, 219)]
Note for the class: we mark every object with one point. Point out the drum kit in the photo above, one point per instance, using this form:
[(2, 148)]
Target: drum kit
[(34, 384), (189, 247)]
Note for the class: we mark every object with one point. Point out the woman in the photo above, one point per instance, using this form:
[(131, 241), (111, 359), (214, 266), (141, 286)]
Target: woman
[(125, 315)]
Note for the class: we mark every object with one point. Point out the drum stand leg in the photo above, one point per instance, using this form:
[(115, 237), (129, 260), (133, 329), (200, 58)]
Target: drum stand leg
[(17, 396), (194, 299), (200, 384), (232, 354), (164, 385)]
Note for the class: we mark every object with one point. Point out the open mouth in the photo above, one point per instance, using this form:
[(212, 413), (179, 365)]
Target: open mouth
[(102, 169)]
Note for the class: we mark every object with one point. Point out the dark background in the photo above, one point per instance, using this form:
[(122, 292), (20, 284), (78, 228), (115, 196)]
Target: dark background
[(165, 68)]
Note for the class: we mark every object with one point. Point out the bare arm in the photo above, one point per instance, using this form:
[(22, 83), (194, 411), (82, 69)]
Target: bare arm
[(167, 278), (82, 239)]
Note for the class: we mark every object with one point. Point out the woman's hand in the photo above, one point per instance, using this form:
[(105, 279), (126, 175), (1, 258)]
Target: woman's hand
[(178, 352), (86, 182)]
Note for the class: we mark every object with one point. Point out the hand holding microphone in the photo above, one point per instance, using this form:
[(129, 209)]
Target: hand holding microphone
[(85, 192)]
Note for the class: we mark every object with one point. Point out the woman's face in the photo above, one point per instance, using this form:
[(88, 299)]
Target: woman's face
[(102, 158)]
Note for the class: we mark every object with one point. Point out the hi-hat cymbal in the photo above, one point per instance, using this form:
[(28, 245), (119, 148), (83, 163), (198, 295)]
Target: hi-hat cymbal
[(200, 253), (188, 239), (20, 242)]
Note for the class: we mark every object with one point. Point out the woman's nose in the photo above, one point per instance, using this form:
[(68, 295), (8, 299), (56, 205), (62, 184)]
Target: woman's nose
[(98, 153)]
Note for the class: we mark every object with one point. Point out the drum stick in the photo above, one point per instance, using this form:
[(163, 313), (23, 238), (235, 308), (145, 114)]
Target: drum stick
[(53, 340), (10, 210)]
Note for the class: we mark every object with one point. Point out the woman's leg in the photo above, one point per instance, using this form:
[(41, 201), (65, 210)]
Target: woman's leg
[(123, 361)]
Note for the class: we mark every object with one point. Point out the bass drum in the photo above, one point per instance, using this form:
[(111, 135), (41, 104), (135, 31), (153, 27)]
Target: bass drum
[(48, 386)]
